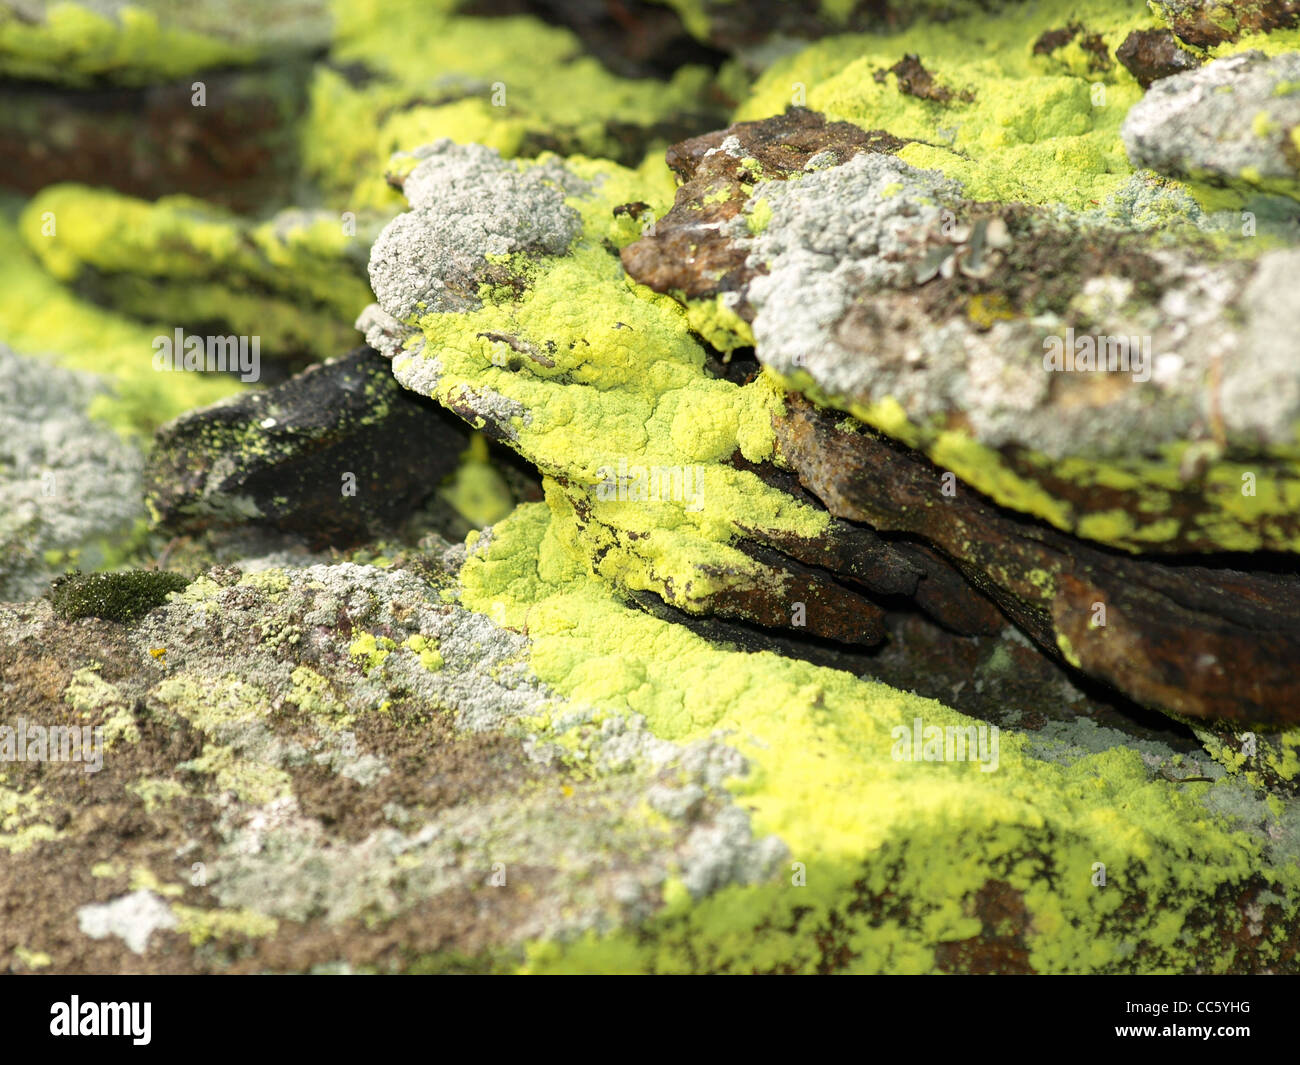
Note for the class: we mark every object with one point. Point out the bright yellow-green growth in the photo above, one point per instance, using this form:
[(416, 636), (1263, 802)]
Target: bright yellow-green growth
[(41, 318), (626, 393), (863, 827)]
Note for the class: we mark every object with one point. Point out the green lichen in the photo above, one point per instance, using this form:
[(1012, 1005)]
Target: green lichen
[(203, 926), (1228, 518), (427, 648), (623, 388), (479, 92), (156, 792), (371, 650), (866, 827), (295, 281), (93, 696), (478, 492), (40, 317), (22, 823), (76, 45)]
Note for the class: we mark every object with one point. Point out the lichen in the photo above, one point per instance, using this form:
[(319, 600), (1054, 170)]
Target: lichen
[(862, 824)]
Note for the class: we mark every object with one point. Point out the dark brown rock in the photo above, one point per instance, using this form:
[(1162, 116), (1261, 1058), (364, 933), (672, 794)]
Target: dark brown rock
[(239, 150), (1186, 639), (690, 250), (337, 453), (1153, 54), (915, 80), (1092, 43), (1206, 23)]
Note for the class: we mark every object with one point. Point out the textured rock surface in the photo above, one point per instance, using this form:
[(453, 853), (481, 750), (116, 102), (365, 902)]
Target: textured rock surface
[(335, 454), (240, 151), (1208, 22), (1234, 120), (878, 288)]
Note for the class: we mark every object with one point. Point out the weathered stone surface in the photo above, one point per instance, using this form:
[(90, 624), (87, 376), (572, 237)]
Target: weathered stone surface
[(292, 281), (1208, 22), (240, 150), (1232, 121), (692, 249), (336, 453), (1163, 635), (1150, 55), (470, 211), (675, 713), (333, 765), (945, 322)]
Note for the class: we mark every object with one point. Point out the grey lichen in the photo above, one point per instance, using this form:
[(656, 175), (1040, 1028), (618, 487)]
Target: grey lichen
[(1231, 121), (848, 250), (68, 484), (467, 204)]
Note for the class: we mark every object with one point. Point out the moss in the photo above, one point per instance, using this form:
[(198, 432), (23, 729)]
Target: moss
[(866, 827), (121, 597)]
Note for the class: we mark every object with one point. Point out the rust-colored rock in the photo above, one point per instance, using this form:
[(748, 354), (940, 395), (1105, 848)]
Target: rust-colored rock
[(691, 249), (1150, 55), (1206, 23), (1190, 640)]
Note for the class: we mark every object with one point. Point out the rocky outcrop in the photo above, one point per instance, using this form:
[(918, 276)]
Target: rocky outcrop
[(336, 454)]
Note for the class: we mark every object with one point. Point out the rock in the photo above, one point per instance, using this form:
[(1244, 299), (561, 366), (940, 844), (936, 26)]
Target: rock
[(149, 142), (1153, 54), (69, 485), (133, 918), (471, 211), (334, 454), (1160, 634), (284, 788), (1093, 45), (725, 534), (1206, 23), (815, 504), (465, 79), (1231, 122), (638, 39), (692, 249), (877, 287)]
